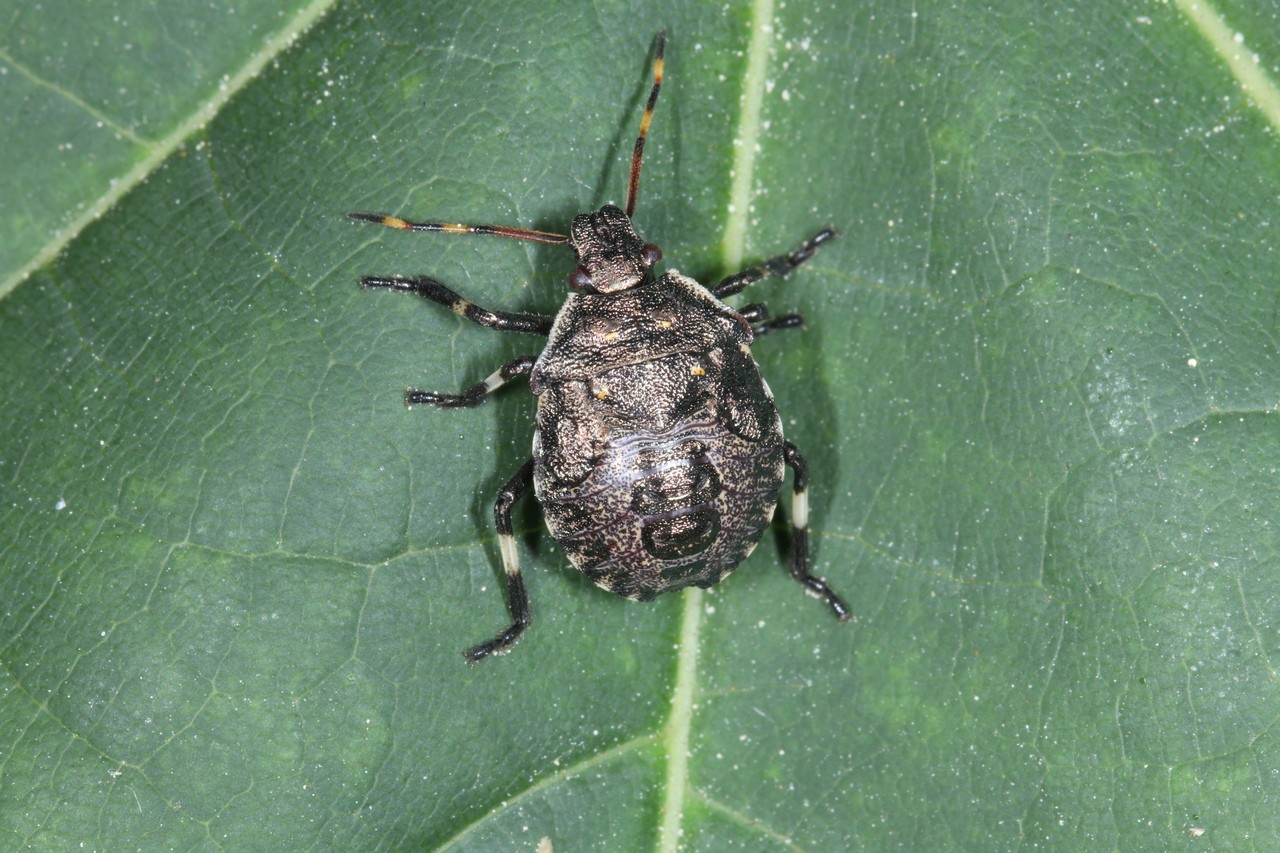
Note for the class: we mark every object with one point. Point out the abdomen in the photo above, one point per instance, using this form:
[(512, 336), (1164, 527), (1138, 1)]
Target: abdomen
[(660, 510)]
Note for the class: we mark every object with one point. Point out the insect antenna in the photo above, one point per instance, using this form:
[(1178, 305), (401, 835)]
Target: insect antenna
[(460, 228), (633, 185)]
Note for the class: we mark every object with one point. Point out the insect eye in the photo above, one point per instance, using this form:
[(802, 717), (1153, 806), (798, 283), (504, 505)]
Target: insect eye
[(580, 279), (652, 254)]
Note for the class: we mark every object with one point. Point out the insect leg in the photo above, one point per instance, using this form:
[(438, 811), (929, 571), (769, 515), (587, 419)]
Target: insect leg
[(430, 289), (758, 316), (813, 585), (780, 266), (474, 395), (517, 598)]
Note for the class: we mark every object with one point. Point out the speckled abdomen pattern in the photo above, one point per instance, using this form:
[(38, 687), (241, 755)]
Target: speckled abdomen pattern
[(665, 510)]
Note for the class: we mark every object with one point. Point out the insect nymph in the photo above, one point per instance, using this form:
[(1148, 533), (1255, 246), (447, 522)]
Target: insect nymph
[(658, 454)]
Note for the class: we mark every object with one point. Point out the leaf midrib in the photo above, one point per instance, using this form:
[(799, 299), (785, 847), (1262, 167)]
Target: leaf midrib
[(677, 731), (1241, 62)]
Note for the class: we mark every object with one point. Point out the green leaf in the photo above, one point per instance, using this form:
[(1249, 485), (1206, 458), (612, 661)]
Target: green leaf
[(97, 95), (1037, 390)]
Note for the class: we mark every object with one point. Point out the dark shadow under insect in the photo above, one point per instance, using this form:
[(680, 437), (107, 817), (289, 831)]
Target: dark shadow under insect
[(658, 454)]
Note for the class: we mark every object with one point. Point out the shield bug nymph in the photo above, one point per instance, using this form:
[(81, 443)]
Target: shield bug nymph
[(658, 454)]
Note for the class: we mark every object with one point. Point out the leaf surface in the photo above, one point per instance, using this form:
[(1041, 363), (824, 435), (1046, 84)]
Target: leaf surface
[(1037, 391)]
